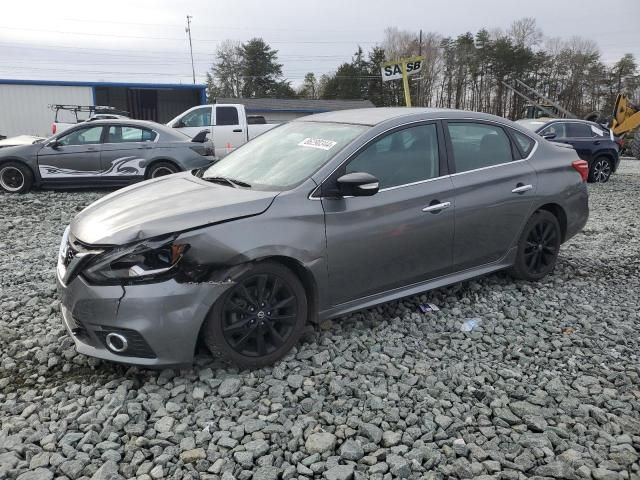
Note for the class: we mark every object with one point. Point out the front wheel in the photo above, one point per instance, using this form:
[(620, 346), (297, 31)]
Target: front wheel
[(600, 170), (538, 247), (15, 177), (259, 319)]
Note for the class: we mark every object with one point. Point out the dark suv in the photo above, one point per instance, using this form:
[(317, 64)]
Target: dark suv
[(593, 143)]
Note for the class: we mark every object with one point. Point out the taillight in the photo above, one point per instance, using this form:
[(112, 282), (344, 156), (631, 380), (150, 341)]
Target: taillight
[(582, 167), (53, 129)]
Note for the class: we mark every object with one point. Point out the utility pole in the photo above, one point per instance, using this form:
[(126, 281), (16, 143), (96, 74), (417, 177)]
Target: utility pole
[(188, 30), (419, 93)]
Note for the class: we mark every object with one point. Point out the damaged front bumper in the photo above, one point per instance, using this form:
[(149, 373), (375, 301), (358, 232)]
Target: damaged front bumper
[(159, 322)]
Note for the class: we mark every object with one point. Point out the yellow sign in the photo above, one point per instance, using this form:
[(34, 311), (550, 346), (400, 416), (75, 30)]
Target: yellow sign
[(402, 69)]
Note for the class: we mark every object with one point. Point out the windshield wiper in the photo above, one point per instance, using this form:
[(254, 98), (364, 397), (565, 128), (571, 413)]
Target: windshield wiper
[(229, 181)]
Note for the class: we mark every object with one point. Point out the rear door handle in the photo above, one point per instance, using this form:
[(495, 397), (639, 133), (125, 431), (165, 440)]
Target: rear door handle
[(436, 207), (521, 188), (237, 130)]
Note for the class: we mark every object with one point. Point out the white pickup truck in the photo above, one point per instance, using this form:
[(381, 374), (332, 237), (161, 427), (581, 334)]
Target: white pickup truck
[(227, 124)]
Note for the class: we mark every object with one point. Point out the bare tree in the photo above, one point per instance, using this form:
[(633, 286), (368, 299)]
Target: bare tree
[(525, 32)]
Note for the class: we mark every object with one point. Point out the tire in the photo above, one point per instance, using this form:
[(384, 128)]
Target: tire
[(600, 170), (15, 177), (160, 169), (534, 261), (241, 316), (635, 145)]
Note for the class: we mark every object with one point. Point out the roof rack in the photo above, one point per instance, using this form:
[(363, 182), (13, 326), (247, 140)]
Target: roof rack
[(90, 109)]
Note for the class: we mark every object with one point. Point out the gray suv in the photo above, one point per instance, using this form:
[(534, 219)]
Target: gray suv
[(314, 219)]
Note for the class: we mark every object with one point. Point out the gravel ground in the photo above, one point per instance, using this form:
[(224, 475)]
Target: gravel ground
[(546, 387)]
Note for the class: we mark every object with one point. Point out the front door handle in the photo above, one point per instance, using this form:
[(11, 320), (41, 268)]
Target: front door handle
[(436, 207), (237, 130), (521, 188)]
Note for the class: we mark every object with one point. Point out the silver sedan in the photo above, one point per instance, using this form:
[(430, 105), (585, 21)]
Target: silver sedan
[(317, 218)]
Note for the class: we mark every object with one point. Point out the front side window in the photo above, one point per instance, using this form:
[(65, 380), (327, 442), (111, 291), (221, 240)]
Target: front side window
[(579, 130), (200, 117), (83, 136), (226, 116), (118, 134), (478, 145), (402, 157), (285, 156), (558, 128)]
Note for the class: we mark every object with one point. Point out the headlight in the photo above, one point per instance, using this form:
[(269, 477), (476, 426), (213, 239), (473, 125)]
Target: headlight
[(142, 261)]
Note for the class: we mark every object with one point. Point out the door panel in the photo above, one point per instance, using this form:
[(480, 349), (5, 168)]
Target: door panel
[(395, 237), (125, 150), (386, 241), (494, 192), (489, 216), (76, 156), (228, 133)]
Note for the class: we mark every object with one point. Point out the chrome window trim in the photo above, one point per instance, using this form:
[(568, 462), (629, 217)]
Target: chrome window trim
[(535, 147)]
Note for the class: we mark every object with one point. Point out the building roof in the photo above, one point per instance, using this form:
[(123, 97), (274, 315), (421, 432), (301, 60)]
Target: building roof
[(297, 105), (69, 83)]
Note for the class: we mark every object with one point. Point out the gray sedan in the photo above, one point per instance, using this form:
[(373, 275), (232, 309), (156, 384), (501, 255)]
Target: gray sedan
[(102, 153), (317, 218)]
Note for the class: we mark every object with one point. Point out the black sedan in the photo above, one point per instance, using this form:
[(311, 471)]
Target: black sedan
[(102, 153), (593, 143)]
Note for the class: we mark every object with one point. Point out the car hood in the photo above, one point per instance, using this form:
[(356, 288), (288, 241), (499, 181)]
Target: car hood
[(20, 150), (165, 205)]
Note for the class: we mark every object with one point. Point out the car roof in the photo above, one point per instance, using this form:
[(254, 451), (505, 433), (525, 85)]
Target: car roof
[(376, 116), (158, 127)]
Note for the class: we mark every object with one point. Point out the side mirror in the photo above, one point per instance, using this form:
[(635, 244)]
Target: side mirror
[(358, 184), (200, 137), (179, 124), (549, 136), (53, 144)]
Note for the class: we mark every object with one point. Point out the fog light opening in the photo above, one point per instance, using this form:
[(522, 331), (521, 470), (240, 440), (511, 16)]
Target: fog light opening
[(116, 342)]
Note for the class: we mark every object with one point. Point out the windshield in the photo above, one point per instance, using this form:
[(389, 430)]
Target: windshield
[(285, 156)]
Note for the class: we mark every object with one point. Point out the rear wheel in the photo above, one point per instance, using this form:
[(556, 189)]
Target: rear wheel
[(160, 169), (15, 177), (259, 319), (600, 170), (538, 247)]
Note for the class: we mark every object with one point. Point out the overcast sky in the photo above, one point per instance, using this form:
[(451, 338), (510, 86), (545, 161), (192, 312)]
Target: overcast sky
[(145, 40)]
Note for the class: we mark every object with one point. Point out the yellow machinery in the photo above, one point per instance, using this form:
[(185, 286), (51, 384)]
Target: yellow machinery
[(626, 119)]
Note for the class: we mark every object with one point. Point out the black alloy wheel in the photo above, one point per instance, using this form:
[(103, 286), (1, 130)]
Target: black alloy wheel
[(538, 247), (601, 170), (259, 315), (15, 177), (259, 319)]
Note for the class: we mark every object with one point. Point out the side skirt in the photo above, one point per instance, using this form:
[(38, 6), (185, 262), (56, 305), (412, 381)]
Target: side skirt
[(413, 289)]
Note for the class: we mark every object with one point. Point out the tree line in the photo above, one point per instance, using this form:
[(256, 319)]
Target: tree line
[(470, 71)]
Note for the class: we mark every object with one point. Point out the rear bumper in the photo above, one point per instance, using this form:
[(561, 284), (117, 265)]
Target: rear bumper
[(160, 321)]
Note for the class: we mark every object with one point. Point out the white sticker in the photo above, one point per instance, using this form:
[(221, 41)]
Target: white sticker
[(597, 131), (317, 143)]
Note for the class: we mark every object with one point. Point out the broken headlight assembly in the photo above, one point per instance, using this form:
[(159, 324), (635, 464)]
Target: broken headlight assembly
[(145, 261)]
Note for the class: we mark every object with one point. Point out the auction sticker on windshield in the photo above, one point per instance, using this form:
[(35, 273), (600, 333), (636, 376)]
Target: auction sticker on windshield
[(317, 143)]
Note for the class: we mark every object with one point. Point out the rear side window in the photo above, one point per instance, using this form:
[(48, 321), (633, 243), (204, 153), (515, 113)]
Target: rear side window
[(478, 145), (580, 130), (226, 116), (117, 134), (402, 157), (525, 143)]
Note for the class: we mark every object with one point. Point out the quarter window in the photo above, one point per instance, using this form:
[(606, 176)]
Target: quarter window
[(118, 134), (226, 116), (477, 145), (200, 117), (83, 136), (524, 142), (405, 156)]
